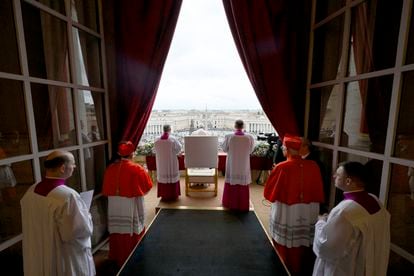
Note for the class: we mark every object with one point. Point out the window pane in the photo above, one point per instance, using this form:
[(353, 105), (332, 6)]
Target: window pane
[(409, 57), (374, 40), (99, 217), (15, 179), (46, 44), (9, 55), (327, 50), (400, 206), (364, 127), (95, 166), (86, 13), (327, 7), (11, 260), (57, 5), (74, 181), (54, 119), (87, 58), (323, 108), (404, 144), (14, 138), (91, 114)]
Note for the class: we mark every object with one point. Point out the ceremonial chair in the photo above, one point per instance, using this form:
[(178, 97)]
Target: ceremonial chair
[(201, 162)]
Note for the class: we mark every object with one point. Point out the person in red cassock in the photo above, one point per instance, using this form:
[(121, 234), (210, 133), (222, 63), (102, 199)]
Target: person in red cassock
[(125, 184), (295, 190)]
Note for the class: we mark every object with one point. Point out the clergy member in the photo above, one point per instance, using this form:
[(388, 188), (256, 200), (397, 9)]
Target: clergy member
[(167, 147), (56, 223), (238, 145), (295, 190), (354, 239), (201, 131), (125, 184)]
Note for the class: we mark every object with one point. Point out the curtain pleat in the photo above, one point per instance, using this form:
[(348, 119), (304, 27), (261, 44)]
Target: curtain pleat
[(142, 34), (271, 38)]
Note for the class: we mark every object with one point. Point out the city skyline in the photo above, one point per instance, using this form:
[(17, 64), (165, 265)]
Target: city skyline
[(220, 120), (203, 69)]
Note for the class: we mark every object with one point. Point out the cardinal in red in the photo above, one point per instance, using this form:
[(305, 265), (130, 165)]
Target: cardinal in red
[(125, 184), (295, 190)]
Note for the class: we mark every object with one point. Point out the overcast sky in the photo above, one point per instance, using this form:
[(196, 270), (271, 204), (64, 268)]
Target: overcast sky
[(203, 69)]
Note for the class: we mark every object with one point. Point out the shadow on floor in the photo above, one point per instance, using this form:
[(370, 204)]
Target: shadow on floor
[(103, 266)]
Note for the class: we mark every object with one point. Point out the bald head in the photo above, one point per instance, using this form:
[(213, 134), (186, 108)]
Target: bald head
[(59, 164), (58, 153)]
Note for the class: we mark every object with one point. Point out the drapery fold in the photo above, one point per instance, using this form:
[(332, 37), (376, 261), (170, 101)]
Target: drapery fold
[(142, 34), (271, 37), (57, 63)]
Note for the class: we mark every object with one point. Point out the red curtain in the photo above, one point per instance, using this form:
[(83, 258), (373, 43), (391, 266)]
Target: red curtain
[(271, 37), (142, 34), (362, 44)]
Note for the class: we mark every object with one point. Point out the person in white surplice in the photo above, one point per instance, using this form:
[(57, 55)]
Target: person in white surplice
[(56, 223), (167, 147), (238, 145), (354, 239)]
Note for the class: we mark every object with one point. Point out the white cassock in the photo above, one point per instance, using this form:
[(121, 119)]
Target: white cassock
[(352, 242), (238, 148), (57, 231), (166, 151)]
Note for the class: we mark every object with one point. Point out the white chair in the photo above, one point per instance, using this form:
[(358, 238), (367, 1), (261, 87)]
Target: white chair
[(201, 162)]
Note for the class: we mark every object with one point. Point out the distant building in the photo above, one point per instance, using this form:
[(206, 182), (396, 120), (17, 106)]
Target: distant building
[(188, 120), (217, 122)]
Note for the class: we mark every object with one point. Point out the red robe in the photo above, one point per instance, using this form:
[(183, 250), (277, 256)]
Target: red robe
[(130, 178), (127, 179), (284, 182), (291, 182)]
